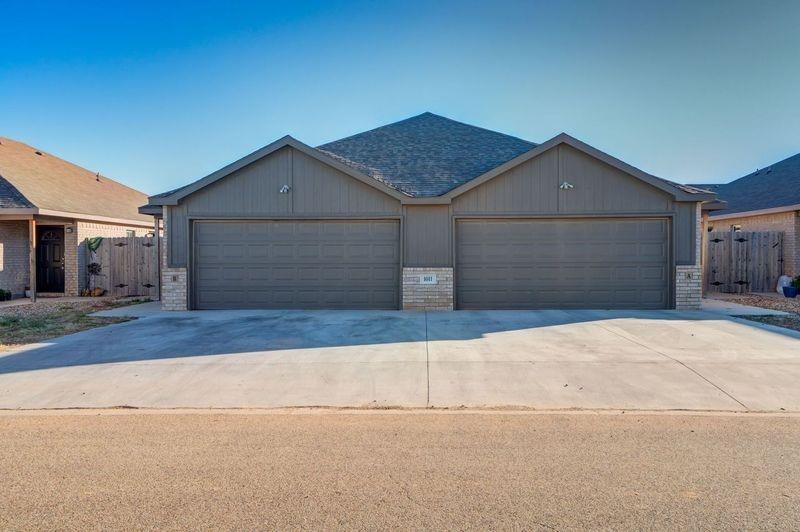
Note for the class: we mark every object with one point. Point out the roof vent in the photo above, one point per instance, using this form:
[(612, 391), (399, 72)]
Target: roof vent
[(769, 170), (38, 153), (97, 176)]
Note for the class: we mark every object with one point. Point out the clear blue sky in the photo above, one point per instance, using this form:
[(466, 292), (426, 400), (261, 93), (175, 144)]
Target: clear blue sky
[(159, 94)]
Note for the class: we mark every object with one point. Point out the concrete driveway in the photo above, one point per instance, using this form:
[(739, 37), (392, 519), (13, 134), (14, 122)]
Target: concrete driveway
[(541, 359)]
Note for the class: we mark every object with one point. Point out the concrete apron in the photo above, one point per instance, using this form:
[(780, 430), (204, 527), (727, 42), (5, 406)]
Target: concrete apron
[(650, 360)]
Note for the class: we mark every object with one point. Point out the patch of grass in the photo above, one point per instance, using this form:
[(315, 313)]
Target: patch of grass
[(51, 320)]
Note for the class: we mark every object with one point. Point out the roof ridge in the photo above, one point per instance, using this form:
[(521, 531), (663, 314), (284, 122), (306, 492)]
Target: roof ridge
[(373, 129), (431, 114), (534, 144)]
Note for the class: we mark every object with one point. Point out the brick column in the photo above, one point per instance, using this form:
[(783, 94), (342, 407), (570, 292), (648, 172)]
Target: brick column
[(71, 260), (420, 296)]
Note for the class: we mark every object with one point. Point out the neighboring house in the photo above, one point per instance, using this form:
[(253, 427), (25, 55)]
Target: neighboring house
[(765, 200), (51, 206), (430, 213)]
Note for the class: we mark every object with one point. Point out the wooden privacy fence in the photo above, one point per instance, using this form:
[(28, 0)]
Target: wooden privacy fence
[(739, 262), (128, 266)]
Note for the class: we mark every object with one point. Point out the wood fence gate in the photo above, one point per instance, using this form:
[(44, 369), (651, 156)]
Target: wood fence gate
[(739, 262), (128, 266)]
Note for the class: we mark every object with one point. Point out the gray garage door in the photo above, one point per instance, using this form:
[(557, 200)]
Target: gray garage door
[(581, 263), (296, 264)]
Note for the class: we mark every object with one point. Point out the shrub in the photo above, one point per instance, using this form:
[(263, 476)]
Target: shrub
[(5, 295)]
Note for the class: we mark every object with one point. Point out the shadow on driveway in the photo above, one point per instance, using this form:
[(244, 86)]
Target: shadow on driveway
[(239, 332)]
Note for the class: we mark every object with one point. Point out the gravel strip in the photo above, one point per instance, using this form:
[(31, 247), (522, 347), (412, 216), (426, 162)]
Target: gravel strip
[(787, 322), (765, 300)]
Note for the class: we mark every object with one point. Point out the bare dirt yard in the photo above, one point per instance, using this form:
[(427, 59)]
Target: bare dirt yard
[(770, 301), (49, 318)]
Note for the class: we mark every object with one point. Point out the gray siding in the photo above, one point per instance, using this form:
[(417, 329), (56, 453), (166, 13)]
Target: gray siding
[(601, 188), (533, 188), (253, 191), (178, 238), (529, 187), (427, 236), (685, 227)]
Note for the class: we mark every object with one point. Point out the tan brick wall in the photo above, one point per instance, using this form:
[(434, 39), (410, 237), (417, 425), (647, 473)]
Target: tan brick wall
[(174, 281), (14, 262), (787, 222), (417, 296), (689, 278), (71, 269)]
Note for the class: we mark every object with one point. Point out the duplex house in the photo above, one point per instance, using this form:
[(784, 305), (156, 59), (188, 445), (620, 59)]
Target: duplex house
[(430, 213), (48, 208)]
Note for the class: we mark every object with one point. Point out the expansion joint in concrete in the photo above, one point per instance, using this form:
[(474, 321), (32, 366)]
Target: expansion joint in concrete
[(427, 364), (709, 381)]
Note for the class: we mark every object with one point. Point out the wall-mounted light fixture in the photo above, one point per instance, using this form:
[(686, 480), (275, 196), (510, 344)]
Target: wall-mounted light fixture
[(285, 189), (566, 186)]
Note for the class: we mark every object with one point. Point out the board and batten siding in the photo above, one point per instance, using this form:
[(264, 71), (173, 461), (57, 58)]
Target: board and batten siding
[(428, 241), (316, 190), (533, 188), (685, 228)]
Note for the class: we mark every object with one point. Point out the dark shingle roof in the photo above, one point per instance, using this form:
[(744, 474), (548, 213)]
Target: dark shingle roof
[(777, 185), (426, 155)]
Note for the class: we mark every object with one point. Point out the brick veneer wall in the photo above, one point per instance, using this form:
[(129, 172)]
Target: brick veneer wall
[(174, 282), (14, 263), (418, 296), (71, 255), (787, 222), (689, 278)]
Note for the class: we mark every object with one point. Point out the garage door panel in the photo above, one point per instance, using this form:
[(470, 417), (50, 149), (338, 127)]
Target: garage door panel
[(387, 253), (566, 263), (297, 264), (333, 251), (656, 250)]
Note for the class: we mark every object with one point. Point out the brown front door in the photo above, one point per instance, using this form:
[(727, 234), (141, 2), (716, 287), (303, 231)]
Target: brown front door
[(50, 259)]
